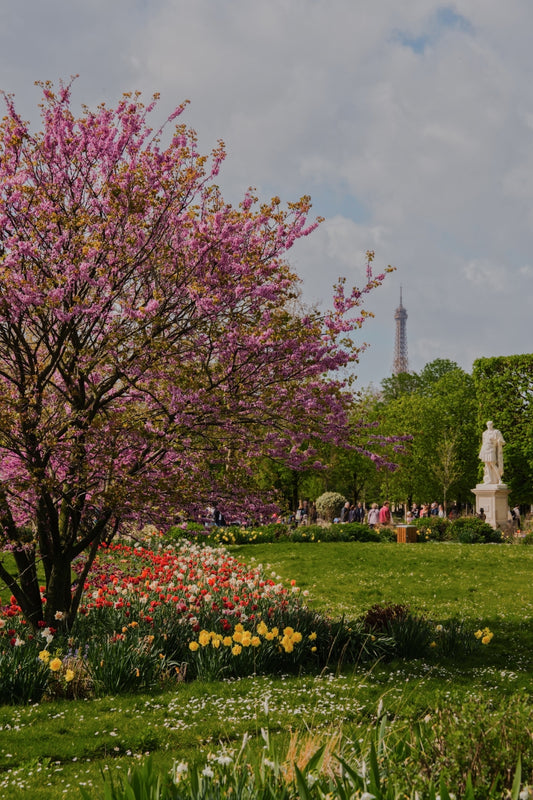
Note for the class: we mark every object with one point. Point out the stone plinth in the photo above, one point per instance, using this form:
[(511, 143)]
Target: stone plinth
[(493, 499)]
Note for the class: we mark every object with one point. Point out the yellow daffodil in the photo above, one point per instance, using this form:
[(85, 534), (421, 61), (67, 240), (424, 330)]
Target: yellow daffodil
[(204, 638)]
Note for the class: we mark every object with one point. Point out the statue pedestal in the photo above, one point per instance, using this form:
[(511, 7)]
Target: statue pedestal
[(493, 499)]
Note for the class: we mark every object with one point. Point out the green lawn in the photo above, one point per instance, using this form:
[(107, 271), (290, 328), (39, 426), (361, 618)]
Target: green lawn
[(477, 712), (440, 579)]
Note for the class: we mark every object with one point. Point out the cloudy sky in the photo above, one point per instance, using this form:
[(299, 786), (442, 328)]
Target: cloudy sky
[(409, 124)]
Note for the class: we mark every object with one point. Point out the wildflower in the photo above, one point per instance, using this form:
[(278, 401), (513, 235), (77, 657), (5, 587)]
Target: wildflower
[(56, 664), (193, 646), (179, 771)]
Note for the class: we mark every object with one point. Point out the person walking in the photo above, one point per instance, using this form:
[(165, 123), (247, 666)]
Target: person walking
[(373, 515), (345, 512), (384, 514)]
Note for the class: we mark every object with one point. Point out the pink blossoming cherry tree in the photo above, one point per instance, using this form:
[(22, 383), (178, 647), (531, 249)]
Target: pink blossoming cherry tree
[(151, 339)]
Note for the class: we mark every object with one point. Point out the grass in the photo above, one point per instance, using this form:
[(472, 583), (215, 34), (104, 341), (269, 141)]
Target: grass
[(439, 579), (473, 713)]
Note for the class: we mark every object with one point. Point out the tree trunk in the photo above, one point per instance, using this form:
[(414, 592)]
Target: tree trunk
[(59, 591)]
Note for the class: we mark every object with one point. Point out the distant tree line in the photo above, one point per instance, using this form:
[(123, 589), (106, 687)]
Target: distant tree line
[(440, 414)]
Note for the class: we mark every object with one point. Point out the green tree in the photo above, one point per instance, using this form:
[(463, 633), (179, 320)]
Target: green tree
[(440, 415), (504, 388), (446, 466)]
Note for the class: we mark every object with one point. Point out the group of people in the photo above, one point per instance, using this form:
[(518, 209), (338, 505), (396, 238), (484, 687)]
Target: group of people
[(376, 515), (382, 515), (425, 510), (352, 513)]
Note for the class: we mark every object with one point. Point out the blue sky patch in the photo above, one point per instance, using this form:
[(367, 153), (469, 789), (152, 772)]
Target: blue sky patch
[(442, 20)]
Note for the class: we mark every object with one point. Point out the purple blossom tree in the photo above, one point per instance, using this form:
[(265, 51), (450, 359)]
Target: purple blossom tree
[(151, 340)]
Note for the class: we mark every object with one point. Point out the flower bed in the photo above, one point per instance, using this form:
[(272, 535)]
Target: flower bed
[(152, 617)]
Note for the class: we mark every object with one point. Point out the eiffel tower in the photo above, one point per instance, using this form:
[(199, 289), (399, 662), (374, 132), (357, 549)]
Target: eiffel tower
[(400, 363)]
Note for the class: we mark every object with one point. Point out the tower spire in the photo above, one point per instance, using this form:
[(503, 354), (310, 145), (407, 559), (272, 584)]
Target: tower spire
[(400, 363)]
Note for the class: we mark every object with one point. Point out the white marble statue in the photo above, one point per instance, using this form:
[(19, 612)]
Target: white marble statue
[(491, 454)]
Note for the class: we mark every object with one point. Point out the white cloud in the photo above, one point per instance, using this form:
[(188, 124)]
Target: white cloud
[(488, 276), (409, 124)]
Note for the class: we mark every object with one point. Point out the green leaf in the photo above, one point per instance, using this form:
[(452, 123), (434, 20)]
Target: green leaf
[(375, 782), (302, 784), (444, 794), (515, 790), (469, 790), (316, 760)]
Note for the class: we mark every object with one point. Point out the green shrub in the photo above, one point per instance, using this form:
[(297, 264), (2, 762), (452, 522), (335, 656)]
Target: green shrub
[(471, 530), (432, 529), (329, 505), (309, 533)]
